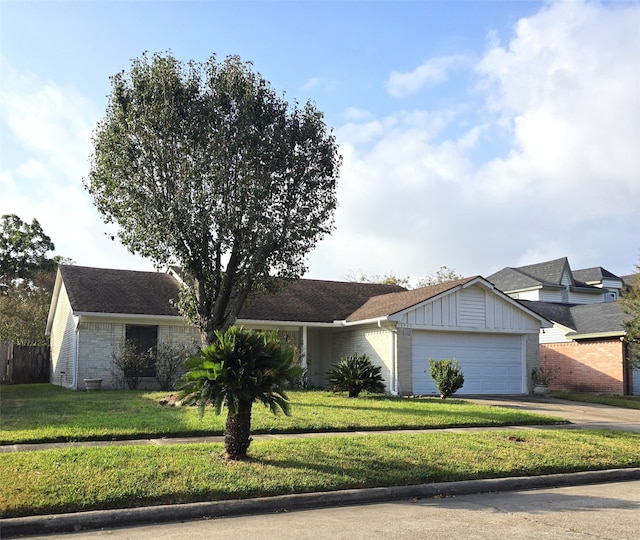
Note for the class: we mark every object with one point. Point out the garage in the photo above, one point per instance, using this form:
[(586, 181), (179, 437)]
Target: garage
[(636, 382), (491, 363)]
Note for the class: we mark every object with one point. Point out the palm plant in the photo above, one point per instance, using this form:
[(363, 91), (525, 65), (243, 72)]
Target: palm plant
[(240, 367), (354, 374)]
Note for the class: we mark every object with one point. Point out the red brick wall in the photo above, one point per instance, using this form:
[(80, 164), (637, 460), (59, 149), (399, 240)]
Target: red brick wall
[(587, 366)]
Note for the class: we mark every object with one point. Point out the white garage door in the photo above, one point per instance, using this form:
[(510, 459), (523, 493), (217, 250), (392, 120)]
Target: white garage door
[(491, 363), (636, 382)]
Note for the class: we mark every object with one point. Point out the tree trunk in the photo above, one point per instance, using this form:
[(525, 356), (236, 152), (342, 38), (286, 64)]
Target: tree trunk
[(237, 436)]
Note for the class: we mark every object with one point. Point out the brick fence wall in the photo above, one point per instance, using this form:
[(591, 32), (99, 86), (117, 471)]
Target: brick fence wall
[(587, 366)]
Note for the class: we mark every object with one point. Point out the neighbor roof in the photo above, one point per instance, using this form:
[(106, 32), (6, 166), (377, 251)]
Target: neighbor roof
[(585, 319), (593, 275), (546, 274), (526, 277), (102, 290)]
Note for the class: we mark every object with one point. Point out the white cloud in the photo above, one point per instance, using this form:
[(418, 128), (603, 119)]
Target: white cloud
[(48, 142), (568, 83), (434, 71), (567, 88)]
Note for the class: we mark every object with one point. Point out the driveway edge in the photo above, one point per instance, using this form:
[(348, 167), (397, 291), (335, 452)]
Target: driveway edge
[(100, 519)]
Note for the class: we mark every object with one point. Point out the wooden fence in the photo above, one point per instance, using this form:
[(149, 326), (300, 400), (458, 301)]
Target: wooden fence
[(23, 364)]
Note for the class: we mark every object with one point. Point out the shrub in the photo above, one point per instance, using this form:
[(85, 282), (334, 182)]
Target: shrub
[(544, 375), (169, 359), (354, 374), (128, 363), (447, 375)]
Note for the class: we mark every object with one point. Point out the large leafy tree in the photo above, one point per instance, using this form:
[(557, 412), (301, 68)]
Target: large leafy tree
[(238, 368), (27, 276), (23, 251), (202, 165), (631, 306)]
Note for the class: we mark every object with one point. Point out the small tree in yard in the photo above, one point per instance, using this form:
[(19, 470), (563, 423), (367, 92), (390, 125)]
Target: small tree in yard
[(355, 374), (240, 367), (447, 375)]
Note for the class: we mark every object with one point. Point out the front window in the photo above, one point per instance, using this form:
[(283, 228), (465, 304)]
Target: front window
[(145, 338)]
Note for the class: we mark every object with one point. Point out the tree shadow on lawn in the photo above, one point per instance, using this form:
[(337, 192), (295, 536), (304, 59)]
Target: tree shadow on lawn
[(453, 413)]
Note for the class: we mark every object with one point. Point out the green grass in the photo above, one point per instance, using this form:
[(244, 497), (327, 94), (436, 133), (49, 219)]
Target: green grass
[(627, 402), (48, 413), (80, 479)]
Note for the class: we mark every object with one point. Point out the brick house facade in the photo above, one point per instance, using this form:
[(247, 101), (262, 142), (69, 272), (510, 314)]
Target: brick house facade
[(586, 366)]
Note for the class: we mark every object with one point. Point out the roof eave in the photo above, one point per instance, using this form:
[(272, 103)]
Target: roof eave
[(54, 302), (588, 290), (134, 316), (595, 335), (374, 320), (266, 322)]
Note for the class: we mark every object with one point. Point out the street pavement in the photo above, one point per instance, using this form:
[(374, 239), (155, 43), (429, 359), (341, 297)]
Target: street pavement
[(597, 511), (597, 504)]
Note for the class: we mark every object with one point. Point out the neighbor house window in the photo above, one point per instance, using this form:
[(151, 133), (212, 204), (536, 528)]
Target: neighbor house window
[(145, 338)]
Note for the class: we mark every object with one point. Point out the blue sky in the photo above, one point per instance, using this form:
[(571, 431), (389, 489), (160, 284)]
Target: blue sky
[(476, 135)]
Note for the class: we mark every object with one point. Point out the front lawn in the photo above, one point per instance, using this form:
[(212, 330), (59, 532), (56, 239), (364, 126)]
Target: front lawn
[(80, 479), (627, 402), (45, 413)]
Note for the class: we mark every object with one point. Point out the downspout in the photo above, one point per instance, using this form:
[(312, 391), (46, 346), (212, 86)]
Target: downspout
[(74, 382), (303, 357), (393, 386)]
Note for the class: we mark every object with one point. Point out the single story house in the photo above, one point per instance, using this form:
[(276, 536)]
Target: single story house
[(493, 337), (586, 345)]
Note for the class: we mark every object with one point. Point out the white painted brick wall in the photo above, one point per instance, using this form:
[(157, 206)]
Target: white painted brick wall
[(374, 342), (62, 342)]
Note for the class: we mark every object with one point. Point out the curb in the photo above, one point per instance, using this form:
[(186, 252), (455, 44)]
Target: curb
[(99, 519)]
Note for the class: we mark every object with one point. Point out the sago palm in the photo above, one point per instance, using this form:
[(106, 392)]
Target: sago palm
[(355, 374), (240, 367)]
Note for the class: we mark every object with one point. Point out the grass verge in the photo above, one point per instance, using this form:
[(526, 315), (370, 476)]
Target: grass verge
[(49, 413), (80, 479), (626, 402)]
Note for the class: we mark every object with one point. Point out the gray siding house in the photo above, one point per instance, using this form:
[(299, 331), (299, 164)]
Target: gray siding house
[(586, 345)]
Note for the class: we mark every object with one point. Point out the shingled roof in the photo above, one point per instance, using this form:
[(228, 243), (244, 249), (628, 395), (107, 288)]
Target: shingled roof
[(593, 275), (599, 318), (546, 274), (389, 304), (310, 300), (102, 290)]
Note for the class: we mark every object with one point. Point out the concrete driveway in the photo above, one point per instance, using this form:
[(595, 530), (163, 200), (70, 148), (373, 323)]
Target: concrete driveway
[(581, 415)]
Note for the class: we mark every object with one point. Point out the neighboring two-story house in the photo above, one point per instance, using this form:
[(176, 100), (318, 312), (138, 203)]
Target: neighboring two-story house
[(586, 344)]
